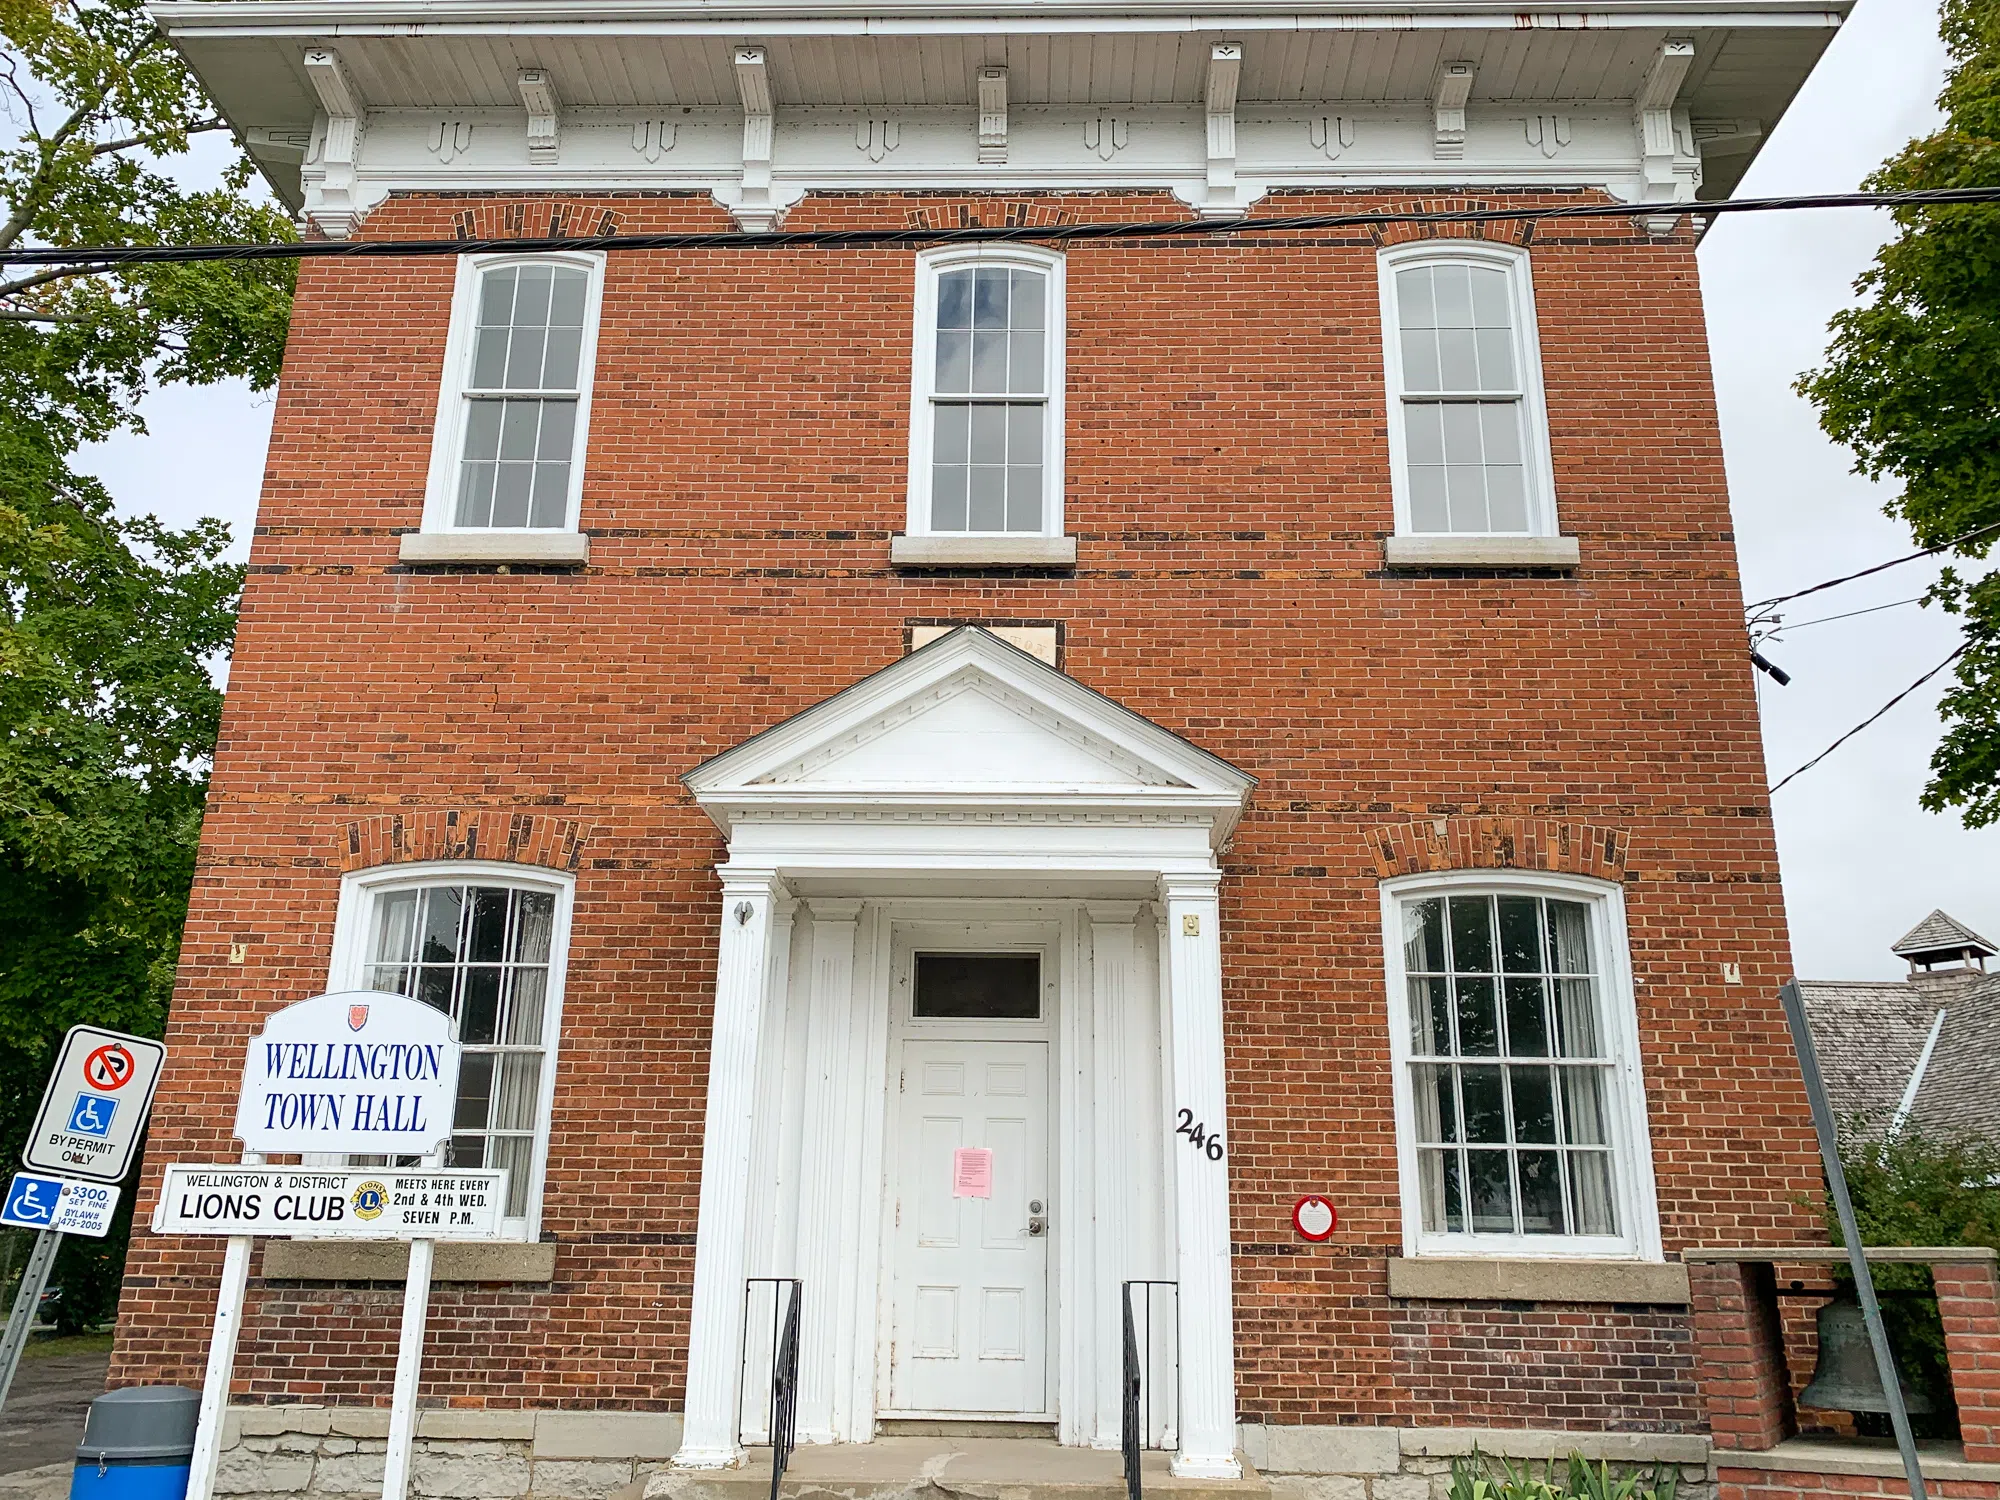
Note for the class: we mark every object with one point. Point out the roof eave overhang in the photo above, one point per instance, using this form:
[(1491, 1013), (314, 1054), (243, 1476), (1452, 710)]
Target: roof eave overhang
[(730, 807)]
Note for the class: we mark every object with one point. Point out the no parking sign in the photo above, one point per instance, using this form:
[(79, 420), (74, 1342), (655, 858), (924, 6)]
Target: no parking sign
[(95, 1105)]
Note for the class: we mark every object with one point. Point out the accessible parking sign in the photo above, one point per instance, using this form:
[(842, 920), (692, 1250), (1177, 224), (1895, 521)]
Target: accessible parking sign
[(95, 1105)]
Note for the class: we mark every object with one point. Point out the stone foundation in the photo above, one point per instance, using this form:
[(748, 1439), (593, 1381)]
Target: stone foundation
[(1414, 1463), (283, 1452)]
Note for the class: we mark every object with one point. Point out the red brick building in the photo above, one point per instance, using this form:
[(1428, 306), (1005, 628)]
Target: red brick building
[(1351, 788)]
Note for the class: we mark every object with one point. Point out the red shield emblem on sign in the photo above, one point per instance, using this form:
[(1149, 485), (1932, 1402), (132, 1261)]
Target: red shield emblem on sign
[(357, 1017)]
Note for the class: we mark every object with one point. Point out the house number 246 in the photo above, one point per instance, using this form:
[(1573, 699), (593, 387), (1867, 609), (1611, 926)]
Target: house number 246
[(1198, 1136)]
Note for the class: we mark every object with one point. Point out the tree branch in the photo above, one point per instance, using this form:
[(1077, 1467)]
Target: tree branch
[(151, 142), (43, 278), (9, 315)]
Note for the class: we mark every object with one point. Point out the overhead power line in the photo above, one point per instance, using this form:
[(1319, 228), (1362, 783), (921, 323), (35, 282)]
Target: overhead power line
[(1872, 609), (106, 257), (1894, 562), (1962, 648)]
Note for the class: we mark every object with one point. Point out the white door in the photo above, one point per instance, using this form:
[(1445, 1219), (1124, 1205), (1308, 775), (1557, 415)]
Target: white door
[(968, 1312)]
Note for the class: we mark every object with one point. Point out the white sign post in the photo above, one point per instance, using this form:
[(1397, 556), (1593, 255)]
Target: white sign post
[(359, 1071)]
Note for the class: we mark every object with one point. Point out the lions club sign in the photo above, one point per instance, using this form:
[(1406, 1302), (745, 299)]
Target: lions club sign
[(356, 1071)]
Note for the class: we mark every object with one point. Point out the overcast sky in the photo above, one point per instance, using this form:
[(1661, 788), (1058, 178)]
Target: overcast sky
[(1862, 862)]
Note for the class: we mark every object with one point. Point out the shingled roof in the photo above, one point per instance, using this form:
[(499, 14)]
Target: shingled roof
[(1875, 1036), (1943, 935)]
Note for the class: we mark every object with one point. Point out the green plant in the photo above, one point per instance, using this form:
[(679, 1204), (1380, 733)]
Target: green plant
[(1473, 1479)]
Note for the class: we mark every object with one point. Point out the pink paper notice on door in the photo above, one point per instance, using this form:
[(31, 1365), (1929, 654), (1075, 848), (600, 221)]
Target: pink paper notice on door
[(972, 1172)]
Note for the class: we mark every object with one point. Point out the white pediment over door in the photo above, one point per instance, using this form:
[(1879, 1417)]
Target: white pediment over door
[(965, 720)]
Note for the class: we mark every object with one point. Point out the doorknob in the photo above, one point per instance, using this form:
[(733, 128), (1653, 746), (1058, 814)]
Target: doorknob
[(1038, 1223)]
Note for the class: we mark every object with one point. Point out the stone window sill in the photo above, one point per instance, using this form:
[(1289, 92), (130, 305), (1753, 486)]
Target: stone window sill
[(548, 548), (982, 551), (389, 1260), (1480, 552), (1468, 1278)]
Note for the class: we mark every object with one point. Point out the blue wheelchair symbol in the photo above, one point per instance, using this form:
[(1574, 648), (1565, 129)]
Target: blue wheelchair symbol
[(91, 1114), (31, 1201)]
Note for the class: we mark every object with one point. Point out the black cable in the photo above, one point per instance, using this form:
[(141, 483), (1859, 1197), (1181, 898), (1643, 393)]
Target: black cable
[(105, 257), (1963, 647), (1852, 613), (1894, 562)]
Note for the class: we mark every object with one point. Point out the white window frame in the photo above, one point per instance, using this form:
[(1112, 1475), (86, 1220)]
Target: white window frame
[(923, 369), (353, 926), (1631, 1140), (448, 434), (1538, 469)]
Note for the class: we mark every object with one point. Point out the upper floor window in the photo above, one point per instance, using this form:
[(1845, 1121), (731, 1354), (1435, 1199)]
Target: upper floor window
[(986, 439), (486, 945), (1520, 1115), (510, 440), (1468, 439)]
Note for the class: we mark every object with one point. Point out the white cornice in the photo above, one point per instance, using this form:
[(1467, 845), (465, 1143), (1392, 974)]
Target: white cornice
[(438, 18)]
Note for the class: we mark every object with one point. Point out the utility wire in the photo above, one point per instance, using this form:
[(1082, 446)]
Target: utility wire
[(1851, 614), (1896, 562), (104, 257), (1963, 647)]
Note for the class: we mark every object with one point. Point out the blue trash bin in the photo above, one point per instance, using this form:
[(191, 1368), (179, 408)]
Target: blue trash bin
[(138, 1444)]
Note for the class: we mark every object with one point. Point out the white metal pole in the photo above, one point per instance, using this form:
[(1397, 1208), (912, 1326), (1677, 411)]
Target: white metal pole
[(410, 1360), (409, 1371), (221, 1359)]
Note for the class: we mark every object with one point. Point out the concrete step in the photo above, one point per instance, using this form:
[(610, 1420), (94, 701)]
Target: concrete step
[(942, 1467)]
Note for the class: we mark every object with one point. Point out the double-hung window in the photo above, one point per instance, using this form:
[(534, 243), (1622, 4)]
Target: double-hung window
[(485, 944), (514, 412), (986, 439), (1520, 1114), (1468, 439)]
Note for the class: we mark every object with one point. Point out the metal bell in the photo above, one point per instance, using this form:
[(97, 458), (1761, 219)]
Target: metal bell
[(1845, 1378)]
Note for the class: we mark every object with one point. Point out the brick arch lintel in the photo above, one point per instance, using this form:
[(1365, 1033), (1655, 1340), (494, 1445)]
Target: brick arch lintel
[(505, 835), (1433, 845)]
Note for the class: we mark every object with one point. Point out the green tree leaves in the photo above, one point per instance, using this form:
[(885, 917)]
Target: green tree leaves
[(109, 628), (1912, 385)]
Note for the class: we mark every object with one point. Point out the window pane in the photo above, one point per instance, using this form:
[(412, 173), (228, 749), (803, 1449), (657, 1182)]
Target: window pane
[(396, 925), (1592, 1208), (1496, 360), (1413, 298), (978, 986), (510, 494), (989, 434), (518, 1080), (1478, 1027), (1527, 1017), (1458, 360), (954, 363), (1500, 431), (1462, 438), (558, 435), (989, 298), (1436, 1099), (1489, 297), (955, 299), (1423, 936), (1465, 484), (1453, 285), (534, 920), (1583, 1107), (549, 504), (524, 1007), (565, 351), (1569, 937), (1430, 509), (531, 302), (1024, 498), (1430, 1016), (466, 1151), (1541, 1192), (1423, 425), (986, 498), (515, 1154), (1472, 934), (489, 359), (1492, 1192), (1520, 934), (1506, 498), (1420, 360), (475, 1091), (1534, 1104), (519, 423), (479, 1007), (1439, 1186), (1024, 434), (482, 428), (1024, 363), (524, 358), (1576, 1019), (488, 934), (567, 297), (989, 361), (443, 907), (948, 497), (1483, 1091), (496, 298), (475, 495), (950, 436), (435, 987)]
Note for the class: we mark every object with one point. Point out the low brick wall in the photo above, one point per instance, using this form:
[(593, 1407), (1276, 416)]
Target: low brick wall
[(1803, 1484)]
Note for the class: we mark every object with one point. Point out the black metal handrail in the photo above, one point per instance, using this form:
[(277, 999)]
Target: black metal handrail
[(784, 1408), (1136, 1392)]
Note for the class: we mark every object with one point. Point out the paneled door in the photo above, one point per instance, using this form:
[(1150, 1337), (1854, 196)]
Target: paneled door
[(968, 1313)]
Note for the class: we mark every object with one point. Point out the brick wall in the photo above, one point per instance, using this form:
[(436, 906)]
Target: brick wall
[(1787, 1484), (1228, 486)]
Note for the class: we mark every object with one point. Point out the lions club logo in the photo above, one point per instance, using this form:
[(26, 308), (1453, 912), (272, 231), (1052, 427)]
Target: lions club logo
[(369, 1200)]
